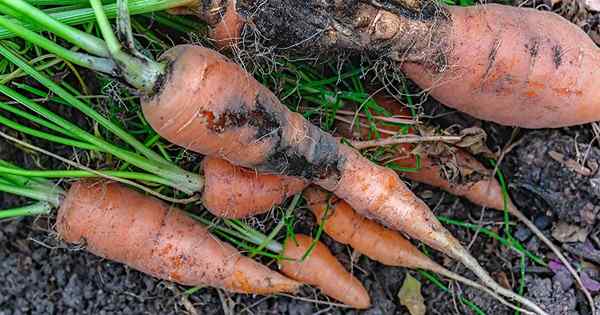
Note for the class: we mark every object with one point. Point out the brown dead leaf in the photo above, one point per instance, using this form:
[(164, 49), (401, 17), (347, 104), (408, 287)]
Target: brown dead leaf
[(568, 233), (473, 140), (411, 297)]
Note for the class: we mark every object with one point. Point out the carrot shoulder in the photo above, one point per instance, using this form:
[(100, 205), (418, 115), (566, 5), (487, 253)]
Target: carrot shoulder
[(120, 224)]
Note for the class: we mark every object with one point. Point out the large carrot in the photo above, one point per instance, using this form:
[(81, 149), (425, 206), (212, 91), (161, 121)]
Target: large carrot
[(202, 101), (120, 224), (375, 241), (322, 270)]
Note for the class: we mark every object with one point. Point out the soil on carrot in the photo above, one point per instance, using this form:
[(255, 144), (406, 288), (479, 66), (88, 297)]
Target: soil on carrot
[(553, 176)]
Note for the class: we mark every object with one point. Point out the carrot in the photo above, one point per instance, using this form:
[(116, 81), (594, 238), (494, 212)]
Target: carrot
[(375, 241), (120, 224), (322, 270), (517, 67), (200, 100), (514, 66), (234, 192), (478, 184)]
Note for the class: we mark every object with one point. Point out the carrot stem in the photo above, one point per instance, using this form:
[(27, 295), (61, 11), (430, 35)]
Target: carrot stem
[(46, 136), (139, 71), (51, 195), (38, 208), (85, 174), (81, 39), (84, 15), (103, 65)]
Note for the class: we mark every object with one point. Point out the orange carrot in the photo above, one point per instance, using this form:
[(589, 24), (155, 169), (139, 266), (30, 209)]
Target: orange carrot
[(322, 270), (120, 224), (375, 241), (515, 66), (235, 192)]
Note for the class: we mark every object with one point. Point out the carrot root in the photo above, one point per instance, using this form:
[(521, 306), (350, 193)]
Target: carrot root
[(322, 270), (120, 224)]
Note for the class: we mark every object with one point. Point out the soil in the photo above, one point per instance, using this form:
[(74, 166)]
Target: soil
[(42, 275)]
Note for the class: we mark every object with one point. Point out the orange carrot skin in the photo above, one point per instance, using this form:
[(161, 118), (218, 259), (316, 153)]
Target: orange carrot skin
[(209, 105), (517, 67), (123, 225), (322, 270), (375, 241), (235, 192)]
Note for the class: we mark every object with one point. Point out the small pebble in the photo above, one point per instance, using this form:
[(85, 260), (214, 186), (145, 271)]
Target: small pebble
[(522, 233), (542, 221)]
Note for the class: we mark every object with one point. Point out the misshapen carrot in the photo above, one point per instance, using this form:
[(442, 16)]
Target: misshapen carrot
[(120, 224), (322, 270), (514, 66), (234, 192)]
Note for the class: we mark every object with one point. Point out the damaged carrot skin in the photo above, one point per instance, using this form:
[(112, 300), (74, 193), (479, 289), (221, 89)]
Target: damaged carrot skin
[(235, 192), (123, 225), (250, 127), (321, 269)]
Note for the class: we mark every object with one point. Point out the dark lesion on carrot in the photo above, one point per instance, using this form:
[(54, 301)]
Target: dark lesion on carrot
[(326, 27), (557, 52)]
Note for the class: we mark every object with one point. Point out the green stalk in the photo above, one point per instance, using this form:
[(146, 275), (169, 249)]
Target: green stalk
[(34, 119), (81, 16), (103, 65), (46, 136), (180, 179), (85, 174), (53, 196), (55, 2), (25, 181), (81, 106), (137, 70), (31, 210), (76, 37)]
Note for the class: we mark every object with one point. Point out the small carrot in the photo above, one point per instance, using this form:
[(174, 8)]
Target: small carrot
[(375, 241), (322, 270), (235, 192), (123, 225), (479, 187)]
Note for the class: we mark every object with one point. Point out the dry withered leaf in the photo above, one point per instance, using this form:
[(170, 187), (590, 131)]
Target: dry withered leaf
[(569, 233), (411, 297)]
